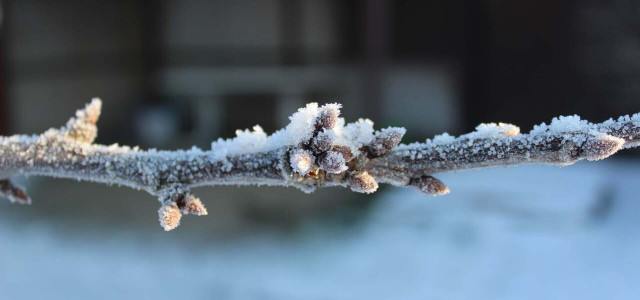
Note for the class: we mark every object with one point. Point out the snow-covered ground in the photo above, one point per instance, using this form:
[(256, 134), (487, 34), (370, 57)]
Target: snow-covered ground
[(533, 232)]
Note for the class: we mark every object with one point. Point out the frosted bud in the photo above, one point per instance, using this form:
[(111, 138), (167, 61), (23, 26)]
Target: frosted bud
[(362, 182), (13, 192), (323, 141), (169, 216), (333, 162), (601, 146), (302, 161), (384, 141), (83, 127), (193, 206), (328, 116), (429, 185), (345, 151)]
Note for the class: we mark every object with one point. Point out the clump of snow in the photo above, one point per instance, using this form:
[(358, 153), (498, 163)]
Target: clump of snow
[(568, 124), (300, 129), (245, 142), (493, 130), (442, 139), (357, 134)]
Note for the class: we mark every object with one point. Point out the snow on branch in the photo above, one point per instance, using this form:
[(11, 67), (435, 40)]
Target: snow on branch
[(316, 149)]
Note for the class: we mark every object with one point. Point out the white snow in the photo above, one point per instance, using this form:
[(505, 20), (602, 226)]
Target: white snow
[(356, 134), (442, 139), (299, 130), (245, 142), (495, 131)]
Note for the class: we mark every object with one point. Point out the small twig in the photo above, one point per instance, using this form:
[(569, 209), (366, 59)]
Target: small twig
[(315, 150)]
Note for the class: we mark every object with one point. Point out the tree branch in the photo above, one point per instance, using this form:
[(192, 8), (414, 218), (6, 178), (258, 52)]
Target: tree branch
[(315, 150)]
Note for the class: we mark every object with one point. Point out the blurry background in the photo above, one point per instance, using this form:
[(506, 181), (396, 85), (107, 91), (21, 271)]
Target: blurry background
[(174, 74)]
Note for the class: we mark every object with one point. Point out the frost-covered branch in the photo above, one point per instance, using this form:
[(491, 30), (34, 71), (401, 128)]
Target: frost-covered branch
[(316, 149)]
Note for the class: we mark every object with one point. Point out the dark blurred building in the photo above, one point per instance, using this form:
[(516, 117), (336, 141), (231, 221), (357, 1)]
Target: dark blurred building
[(199, 69)]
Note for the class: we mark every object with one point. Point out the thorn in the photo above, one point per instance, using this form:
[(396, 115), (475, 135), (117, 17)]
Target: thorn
[(384, 141), (362, 182), (429, 185), (169, 216), (82, 127), (14, 193)]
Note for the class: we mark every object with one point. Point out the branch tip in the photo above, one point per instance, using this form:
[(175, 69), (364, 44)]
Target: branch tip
[(169, 216), (193, 206), (82, 127)]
